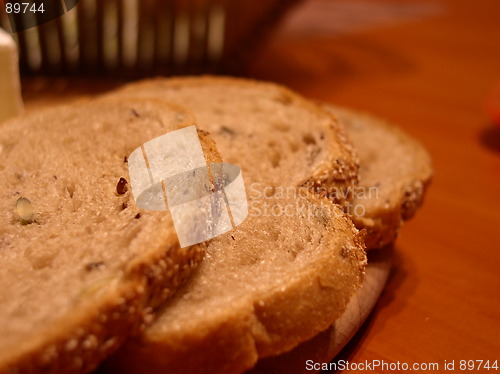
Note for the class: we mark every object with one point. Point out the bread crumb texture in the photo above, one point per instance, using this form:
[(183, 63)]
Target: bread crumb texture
[(79, 275)]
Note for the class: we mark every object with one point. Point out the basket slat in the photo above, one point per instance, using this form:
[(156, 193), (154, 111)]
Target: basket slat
[(147, 37)]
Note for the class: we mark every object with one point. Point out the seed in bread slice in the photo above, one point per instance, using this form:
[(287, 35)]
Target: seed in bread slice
[(282, 276), (395, 171), (277, 137), (80, 264)]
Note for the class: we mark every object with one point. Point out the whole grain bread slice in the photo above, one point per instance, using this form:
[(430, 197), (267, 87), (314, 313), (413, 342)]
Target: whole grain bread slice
[(282, 276), (277, 137), (80, 264), (395, 171)]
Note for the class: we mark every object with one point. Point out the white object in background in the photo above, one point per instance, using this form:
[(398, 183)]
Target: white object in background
[(170, 172), (11, 103)]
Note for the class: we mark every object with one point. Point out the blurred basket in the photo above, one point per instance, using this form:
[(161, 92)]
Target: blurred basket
[(147, 37)]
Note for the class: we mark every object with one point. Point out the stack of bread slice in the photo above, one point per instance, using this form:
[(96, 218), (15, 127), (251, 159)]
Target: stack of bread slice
[(90, 276)]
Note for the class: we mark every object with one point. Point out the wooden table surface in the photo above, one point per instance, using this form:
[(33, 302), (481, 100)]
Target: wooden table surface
[(429, 66)]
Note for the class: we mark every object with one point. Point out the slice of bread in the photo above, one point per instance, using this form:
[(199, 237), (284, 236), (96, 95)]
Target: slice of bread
[(80, 264), (277, 137), (282, 276), (395, 171)]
